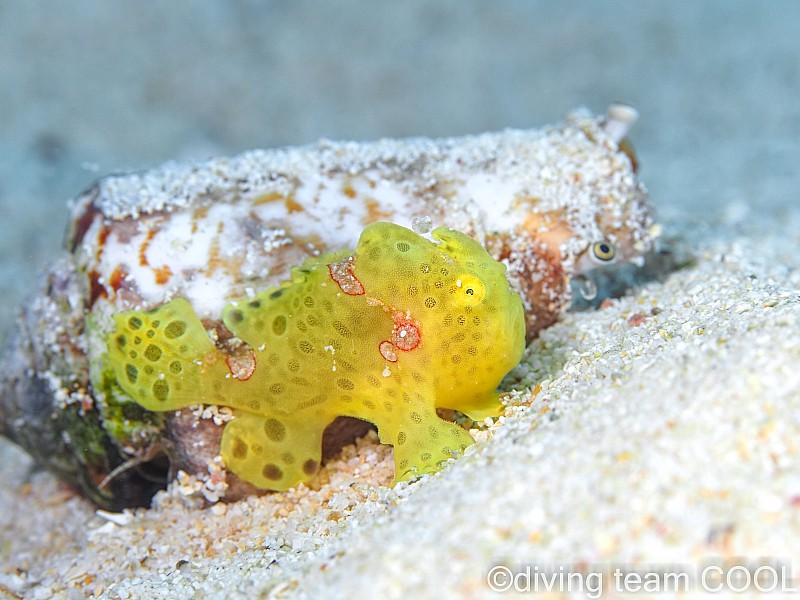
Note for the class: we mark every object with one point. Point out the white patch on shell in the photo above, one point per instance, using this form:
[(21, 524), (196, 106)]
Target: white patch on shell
[(319, 198)]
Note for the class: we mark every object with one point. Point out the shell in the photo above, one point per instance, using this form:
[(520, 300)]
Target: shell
[(539, 200)]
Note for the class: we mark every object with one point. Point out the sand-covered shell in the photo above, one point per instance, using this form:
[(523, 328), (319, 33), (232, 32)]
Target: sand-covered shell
[(552, 204)]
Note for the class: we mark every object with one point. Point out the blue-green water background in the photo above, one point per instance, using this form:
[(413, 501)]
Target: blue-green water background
[(91, 87)]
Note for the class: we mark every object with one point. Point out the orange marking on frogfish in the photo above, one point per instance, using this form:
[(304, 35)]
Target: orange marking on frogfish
[(242, 365), (406, 334), (387, 350), (342, 274)]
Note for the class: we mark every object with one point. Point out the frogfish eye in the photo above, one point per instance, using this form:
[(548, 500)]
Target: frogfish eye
[(469, 290), (603, 252)]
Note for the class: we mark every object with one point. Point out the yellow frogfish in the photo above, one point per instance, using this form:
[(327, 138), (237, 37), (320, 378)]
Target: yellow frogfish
[(388, 333)]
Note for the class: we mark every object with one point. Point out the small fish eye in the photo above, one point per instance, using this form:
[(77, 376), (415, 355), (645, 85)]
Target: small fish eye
[(603, 251)]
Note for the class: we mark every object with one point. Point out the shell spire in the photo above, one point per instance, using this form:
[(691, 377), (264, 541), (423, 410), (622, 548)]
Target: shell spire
[(620, 119)]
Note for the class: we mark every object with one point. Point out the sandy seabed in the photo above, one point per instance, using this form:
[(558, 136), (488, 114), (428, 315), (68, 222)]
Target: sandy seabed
[(659, 432)]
